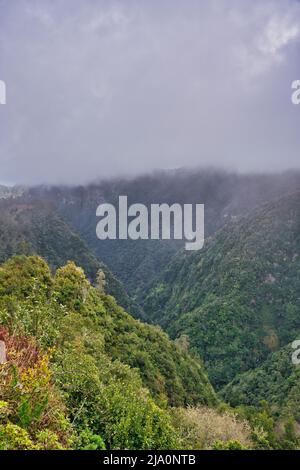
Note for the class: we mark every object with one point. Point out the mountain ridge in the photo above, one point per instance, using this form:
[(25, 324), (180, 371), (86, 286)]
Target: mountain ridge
[(241, 291)]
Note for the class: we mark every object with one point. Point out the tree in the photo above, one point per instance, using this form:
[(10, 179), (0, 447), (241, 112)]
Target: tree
[(100, 281)]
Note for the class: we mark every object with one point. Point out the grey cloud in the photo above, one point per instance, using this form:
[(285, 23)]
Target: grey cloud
[(100, 88)]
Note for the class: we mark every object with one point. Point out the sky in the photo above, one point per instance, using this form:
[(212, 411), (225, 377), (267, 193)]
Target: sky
[(100, 88)]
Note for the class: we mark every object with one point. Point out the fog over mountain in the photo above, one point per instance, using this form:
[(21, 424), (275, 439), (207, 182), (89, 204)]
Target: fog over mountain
[(97, 88)]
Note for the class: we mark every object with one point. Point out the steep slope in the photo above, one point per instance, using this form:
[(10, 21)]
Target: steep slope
[(138, 263), (30, 300), (237, 300), (276, 382), (35, 228)]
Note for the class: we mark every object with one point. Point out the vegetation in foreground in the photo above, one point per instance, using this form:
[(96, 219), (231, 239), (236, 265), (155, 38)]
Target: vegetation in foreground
[(80, 373)]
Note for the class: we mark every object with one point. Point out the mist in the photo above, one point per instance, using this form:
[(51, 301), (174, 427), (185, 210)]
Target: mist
[(98, 89)]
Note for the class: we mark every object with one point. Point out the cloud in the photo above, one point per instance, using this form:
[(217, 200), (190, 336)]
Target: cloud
[(97, 88), (278, 34)]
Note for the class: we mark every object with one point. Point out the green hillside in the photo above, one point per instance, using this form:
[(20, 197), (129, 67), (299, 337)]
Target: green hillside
[(35, 228), (276, 383), (75, 356), (138, 263), (82, 373), (238, 299)]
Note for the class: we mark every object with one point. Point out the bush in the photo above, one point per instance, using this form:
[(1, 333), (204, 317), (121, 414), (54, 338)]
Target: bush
[(205, 428), (31, 408)]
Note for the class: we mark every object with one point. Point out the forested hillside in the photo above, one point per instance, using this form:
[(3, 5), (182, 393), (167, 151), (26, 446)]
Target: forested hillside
[(36, 228), (82, 373), (274, 385), (75, 356), (137, 264), (238, 299)]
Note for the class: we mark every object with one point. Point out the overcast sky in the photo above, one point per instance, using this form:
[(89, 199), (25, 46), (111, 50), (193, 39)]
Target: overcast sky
[(98, 88)]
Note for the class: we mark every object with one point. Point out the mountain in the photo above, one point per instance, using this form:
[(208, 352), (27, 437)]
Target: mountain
[(36, 228), (137, 264), (238, 299), (99, 378)]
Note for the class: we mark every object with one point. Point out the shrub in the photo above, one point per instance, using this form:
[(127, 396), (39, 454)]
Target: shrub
[(30, 404), (202, 427)]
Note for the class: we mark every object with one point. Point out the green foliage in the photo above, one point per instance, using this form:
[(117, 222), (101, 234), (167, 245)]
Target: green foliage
[(109, 381), (71, 286), (32, 413), (35, 228), (13, 437), (111, 377), (131, 419), (139, 263), (229, 445), (89, 441), (238, 299), (269, 398)]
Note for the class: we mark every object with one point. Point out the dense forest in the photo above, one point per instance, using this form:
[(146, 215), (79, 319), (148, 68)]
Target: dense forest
[(35, 228), (86, 356), (137, 264), (238, 299), (82, 373)]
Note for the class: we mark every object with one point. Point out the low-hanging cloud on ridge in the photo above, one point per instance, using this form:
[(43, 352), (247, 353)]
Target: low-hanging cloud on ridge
[(100, 88)]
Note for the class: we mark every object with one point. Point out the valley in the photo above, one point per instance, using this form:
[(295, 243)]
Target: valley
[(207, 333)]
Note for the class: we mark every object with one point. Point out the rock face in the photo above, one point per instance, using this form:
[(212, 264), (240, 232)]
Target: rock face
[(2, 352)]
